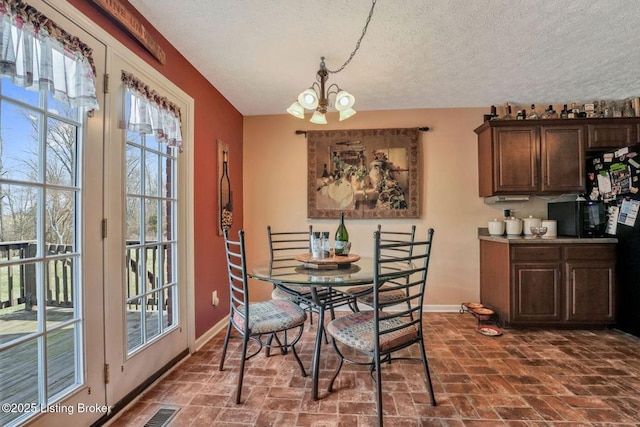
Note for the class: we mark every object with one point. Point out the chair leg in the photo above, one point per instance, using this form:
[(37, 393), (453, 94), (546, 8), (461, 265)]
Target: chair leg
[(243, 359), (224, 347), (425, 365), (295, 353), (340, 362), (378, 369)]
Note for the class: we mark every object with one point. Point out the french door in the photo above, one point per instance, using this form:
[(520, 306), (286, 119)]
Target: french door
[(93, 258), (51, 254), (146, 318)]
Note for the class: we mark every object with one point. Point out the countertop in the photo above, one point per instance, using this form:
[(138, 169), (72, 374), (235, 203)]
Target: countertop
[(483, 234)]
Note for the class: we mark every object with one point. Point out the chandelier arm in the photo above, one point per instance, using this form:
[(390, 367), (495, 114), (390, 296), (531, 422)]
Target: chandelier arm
[(333, 89), (364, 31)]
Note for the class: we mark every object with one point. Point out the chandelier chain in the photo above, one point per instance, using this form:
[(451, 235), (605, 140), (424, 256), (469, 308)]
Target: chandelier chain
[(364, 31)]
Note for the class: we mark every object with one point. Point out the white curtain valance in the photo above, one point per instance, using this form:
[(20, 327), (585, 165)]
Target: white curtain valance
[(37, 54), (151, 113)]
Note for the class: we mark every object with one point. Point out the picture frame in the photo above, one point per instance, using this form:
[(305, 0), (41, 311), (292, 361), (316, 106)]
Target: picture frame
[(365, 173)]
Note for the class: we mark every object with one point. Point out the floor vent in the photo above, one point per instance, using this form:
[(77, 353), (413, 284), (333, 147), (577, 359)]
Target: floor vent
[(161, 418)]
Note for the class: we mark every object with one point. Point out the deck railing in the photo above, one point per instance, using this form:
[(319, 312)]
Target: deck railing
[(18, 276)]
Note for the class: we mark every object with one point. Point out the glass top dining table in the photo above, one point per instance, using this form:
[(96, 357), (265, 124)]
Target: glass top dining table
[(325, 288), (296, 273)]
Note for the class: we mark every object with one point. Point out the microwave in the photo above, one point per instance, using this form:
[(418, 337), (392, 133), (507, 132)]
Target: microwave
[(579, 218)]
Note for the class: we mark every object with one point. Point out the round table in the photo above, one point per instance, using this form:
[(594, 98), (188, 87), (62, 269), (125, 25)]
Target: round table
[(292, 272)]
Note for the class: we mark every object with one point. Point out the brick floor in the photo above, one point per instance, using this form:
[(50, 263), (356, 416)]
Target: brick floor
[(522, 378)]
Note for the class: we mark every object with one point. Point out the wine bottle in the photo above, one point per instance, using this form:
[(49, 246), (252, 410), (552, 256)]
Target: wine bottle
[(564, 114), (533, 115), (226, 207), (342, 237)]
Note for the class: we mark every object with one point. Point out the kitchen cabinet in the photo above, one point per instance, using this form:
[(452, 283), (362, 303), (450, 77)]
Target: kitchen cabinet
[(613, 134), (548, 284), (545, 156)]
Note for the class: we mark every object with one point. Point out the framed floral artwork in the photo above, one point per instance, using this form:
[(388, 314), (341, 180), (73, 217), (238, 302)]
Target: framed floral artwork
[(365, 173)]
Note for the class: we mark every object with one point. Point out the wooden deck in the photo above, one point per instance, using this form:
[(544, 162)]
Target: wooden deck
[(19, 364)]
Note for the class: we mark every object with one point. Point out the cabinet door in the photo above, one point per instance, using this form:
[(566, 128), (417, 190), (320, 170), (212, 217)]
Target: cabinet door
[(563, 159), (537, 292), (590, 288), (611, 135), (516, 153)]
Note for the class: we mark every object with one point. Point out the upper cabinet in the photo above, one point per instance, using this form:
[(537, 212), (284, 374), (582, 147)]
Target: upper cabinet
[(544, 156)]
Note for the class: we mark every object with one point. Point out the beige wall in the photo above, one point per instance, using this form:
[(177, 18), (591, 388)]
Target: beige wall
[(275, 187)]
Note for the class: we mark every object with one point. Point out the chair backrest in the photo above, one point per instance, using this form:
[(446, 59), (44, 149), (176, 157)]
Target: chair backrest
[(236, 268), (390, 237), (389, 254), (285, 245)]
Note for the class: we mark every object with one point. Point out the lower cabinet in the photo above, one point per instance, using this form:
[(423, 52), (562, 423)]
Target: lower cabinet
[(549, 284)]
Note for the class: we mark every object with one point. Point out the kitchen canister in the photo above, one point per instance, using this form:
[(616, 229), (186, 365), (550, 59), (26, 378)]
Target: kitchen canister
[(552, 228), (530, 222), (496, 227), (514, 226)]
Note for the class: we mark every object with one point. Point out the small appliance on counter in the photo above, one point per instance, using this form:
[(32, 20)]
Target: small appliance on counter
[(579, 218)]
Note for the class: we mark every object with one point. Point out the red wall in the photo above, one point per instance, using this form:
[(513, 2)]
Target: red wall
[(215, 118)]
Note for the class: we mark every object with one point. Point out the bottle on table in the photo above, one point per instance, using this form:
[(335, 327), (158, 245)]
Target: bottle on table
[(341, 238)]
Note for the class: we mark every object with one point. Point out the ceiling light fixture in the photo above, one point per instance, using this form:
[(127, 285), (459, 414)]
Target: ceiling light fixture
[(317, 96)]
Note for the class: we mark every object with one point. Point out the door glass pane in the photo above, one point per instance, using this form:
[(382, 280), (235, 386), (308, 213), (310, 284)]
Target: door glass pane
[(133, 220), (134, 173), (60, 373), (19, 372), (153, 322), (151, 221), (19, 219), (61, 149), (151, 174), (60, 220), (134, 323), (19, 135)]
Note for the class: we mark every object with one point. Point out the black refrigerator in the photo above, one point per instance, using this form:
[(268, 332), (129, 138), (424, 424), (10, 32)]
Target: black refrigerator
[(614, 177)]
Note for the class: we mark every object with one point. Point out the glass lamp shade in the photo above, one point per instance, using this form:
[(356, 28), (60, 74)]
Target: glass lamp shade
[(318, 118), (308, 99), (296, 110), (344, 100), (345, 114)]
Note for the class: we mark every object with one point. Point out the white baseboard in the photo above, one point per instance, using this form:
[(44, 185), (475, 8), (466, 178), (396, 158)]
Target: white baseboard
[(215, 329)]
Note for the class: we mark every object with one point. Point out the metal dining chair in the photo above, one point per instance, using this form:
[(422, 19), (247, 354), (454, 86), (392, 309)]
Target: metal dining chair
[(381, 333), (364, 294), (259, 322)]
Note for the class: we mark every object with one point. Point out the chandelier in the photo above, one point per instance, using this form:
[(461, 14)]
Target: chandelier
[(317, 96)]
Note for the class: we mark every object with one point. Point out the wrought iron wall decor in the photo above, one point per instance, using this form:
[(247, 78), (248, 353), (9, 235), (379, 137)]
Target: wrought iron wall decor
[(225, 200), (365, 173)]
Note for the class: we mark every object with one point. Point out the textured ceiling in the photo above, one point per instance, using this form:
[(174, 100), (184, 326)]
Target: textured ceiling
[(416, 54)]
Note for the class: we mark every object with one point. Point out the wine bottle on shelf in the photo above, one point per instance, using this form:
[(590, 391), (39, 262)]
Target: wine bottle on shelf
[(226, 206), (532, 114), (564, 114), (342, 237)]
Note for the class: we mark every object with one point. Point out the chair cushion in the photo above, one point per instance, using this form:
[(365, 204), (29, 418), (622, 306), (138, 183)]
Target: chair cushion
[(367, 298), (279, 293), (356, 330), (271, 316), (301, 290)]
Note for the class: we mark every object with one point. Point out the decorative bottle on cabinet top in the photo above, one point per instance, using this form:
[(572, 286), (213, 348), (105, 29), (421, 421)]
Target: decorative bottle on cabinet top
[(342, 237)]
